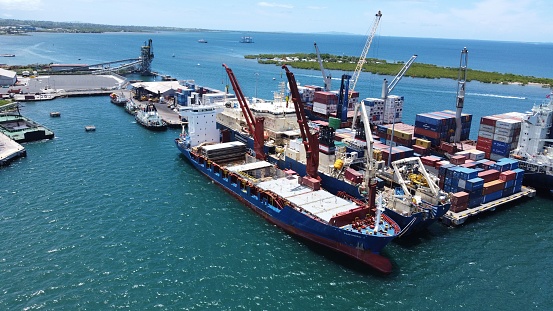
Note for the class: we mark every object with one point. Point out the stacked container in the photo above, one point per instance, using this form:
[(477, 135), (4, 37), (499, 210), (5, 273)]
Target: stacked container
[(486, 182), (440, 126), (498, 135), (384, 112)]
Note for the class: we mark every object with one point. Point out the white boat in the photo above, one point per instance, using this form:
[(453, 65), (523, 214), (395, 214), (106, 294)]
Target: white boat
[(150, 119)]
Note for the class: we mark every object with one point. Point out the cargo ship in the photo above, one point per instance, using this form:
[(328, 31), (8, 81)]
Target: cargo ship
[(296, 204), (342, 167), (535, 146)]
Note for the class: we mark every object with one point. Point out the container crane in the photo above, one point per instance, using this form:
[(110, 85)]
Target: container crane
[(461, 81), (255, 125), (326, 78), (310, 140), (370, 167)]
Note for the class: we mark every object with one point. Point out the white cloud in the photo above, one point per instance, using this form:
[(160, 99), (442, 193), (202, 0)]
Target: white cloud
[(275, 5), (24, 5)]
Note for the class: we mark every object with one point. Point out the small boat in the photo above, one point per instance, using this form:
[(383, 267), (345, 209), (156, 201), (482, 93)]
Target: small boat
[(202, 41), (150, 119), (118, 99), (55, 114), (7, 55), (246, 39), (90, 128)]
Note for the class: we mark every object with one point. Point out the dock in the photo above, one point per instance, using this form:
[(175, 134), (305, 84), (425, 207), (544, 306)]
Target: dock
[(456, 219), (10, 150)]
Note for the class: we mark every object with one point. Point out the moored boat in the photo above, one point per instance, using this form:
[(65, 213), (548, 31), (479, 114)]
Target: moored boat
[(150, 119), (118, 99)]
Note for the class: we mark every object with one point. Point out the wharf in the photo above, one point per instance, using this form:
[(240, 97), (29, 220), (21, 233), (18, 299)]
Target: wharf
[(10, 150), (455, 219), (53, 86)]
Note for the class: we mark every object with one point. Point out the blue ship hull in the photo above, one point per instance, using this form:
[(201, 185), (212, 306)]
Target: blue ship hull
[(363, 247)]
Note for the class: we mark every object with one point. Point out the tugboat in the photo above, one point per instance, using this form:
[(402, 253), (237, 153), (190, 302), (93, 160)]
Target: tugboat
[(118, 99), (150, 119)]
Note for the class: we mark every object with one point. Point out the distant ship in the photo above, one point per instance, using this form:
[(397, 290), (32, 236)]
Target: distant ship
[(246, 39), (202, 41)]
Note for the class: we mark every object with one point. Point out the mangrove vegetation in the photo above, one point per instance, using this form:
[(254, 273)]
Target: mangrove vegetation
[(382, 67)]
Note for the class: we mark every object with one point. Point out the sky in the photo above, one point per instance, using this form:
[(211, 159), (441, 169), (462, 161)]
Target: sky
[(501, 20)]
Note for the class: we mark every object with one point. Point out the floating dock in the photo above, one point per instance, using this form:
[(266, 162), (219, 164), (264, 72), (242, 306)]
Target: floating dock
[(10, 150), (455, 219)]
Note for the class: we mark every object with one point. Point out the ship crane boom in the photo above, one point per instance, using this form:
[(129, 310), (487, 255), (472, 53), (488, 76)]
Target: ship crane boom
[(461, 81), (326, 78), (255, 124)]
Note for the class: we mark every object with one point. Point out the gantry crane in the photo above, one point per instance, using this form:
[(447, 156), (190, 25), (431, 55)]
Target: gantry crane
[(461, 81), (310, 140), (326, 78), (255, 125)]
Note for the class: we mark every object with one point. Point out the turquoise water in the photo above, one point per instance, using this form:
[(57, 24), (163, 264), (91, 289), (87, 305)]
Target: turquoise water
[(116, 219)]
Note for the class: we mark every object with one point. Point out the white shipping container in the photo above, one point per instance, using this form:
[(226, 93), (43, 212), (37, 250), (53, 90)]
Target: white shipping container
[(507, 124), (476, 155), (485, 134), (503, 138), (487, 128), (320, 108), (462, 183), (504, 132)]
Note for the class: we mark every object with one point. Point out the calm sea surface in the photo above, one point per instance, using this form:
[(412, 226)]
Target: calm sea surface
[(116, 219)]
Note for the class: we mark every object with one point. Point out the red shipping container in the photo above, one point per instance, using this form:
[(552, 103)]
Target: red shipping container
[(447, 147), (485, 141), (459, 198), (310, 182), (420, 150), (427, 133), (489, 175), (459, 208), (488, 120), (507, 175), (353, 175), (457, 159)]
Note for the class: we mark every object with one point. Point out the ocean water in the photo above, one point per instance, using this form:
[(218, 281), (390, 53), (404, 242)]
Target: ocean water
[(116, 219)]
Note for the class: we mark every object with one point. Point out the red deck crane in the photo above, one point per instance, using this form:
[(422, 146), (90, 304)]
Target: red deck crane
[(310, 140), (255, 124)]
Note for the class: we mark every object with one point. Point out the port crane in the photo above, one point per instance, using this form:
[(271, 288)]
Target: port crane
[(362, 60), (255, 125), (310, 140), (461, 82), (326, 78)]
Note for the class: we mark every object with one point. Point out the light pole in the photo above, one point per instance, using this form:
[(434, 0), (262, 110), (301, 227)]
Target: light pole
[(256, 76)]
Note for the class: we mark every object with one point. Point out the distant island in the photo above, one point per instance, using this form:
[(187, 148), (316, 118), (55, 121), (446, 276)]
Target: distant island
[(22, 27), (382, 67)]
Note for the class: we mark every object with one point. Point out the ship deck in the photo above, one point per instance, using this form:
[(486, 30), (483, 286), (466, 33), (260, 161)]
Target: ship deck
[(455, 219), (320, 203)]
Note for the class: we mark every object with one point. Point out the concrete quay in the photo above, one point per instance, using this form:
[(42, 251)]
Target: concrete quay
[(10, 150)]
